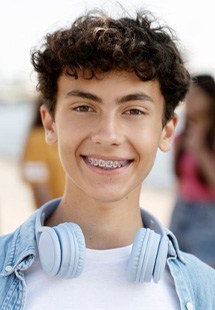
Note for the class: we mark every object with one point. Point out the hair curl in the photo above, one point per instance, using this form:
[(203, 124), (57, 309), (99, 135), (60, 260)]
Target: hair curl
[(98, 43)]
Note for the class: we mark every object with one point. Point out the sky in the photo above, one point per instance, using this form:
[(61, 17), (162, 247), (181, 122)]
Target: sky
[(23, 24)]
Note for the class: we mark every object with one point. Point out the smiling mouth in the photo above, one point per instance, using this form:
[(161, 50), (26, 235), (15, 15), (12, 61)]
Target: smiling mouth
[(107, 164)]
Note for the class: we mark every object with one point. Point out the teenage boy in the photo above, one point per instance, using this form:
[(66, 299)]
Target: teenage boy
[(110, 88)]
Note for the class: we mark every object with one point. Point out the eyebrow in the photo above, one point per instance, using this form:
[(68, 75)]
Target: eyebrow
[(135, 96), (126, 98), (84, 95)]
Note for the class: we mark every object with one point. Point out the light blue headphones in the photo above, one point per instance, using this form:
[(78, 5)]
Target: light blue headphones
[(62, 248)]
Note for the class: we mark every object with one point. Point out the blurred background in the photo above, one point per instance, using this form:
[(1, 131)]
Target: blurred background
[(23, 24)]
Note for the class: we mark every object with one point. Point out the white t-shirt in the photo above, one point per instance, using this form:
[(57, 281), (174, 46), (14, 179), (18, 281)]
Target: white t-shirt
[(102, 286)]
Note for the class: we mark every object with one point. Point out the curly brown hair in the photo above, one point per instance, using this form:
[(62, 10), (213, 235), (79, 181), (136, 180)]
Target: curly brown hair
[(98, 43)]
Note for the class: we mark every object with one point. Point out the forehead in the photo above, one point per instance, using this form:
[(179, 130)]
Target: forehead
[(111, 84)]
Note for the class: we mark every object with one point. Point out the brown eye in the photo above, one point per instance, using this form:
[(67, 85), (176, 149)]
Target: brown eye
[(134, 112), (83, 108)]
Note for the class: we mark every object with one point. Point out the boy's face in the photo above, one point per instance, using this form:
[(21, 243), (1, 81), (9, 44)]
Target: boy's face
[(108, 131)]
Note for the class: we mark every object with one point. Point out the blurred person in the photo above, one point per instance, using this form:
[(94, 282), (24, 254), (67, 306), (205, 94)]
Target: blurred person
[(193, 218), (40, 164), (110, 88)]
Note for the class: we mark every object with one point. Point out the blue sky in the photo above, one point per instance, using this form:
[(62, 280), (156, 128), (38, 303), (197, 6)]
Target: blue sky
[(23, 23)]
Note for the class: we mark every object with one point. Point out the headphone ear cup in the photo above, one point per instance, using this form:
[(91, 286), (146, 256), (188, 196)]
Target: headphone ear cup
[(66, 250), (72, 250), (50, 260), (143, 258), (161, 258)]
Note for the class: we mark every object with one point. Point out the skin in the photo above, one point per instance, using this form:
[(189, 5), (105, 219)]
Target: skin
[(117, 117)]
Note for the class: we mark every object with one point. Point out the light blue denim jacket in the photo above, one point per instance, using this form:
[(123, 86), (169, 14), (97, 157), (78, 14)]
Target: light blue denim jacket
[(194, 280)]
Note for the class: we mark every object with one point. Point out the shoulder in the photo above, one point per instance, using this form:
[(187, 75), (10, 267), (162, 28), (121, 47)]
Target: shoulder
[(189, 265), (197, 269), (5, 243), (200, 278), (194, 280), (16, 246)]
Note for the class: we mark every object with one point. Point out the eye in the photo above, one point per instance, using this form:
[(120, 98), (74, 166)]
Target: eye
[(134, 111), (83, 108)]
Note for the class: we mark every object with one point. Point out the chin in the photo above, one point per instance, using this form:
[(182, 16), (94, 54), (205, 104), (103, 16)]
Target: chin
[(110, 197)]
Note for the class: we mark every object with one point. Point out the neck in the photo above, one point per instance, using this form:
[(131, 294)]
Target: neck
[(105, 225)]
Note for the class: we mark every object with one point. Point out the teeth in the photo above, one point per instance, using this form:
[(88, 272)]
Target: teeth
[(109, 164)]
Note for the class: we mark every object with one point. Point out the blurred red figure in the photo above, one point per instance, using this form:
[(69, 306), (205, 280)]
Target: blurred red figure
[(193, 219)]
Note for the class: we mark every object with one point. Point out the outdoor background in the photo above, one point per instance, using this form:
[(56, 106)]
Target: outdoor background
[(23, 24)]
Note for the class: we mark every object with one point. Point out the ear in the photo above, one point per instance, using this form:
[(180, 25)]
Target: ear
[(49, 126), (167, 134)]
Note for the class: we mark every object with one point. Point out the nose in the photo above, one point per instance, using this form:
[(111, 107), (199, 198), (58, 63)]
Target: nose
[(108, 131)]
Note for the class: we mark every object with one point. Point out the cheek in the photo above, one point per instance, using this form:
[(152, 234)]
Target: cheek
[(148, 136), (146, 145), (65, 156), (146, 150), (67, 146)]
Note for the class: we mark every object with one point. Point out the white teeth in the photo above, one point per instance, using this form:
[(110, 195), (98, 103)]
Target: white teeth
[(109, 164)]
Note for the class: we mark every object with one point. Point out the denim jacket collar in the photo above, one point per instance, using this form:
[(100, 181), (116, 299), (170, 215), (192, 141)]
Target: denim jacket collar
[(173, 250)]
